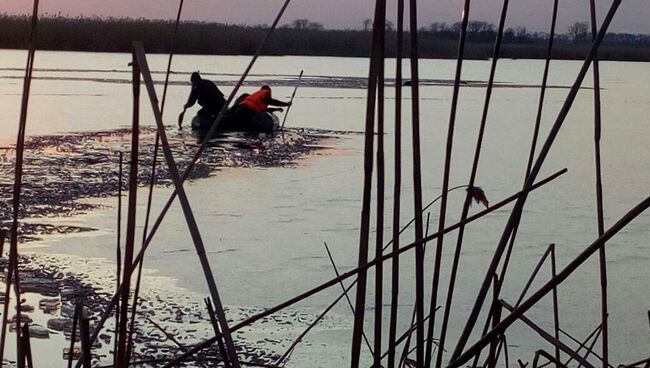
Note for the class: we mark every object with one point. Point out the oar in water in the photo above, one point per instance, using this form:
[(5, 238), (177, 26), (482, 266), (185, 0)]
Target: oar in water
[(284, 120)]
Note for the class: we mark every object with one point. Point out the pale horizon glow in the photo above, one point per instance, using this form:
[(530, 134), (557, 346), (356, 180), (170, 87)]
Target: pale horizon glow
[(633, 15)]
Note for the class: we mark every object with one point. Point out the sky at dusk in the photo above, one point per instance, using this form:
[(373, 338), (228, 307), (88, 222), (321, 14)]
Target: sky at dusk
[(633, 15)]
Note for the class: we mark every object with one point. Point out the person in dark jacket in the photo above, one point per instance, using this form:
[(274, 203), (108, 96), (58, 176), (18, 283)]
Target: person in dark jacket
[(206, 94)]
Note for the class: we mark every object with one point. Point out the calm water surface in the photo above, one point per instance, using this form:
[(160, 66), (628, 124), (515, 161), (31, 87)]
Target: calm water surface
[(265, 228)]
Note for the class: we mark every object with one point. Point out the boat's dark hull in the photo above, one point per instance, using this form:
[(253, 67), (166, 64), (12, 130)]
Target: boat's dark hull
[(262, 122)]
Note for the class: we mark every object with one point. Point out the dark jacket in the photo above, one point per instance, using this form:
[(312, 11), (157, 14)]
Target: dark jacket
[(207, 94)]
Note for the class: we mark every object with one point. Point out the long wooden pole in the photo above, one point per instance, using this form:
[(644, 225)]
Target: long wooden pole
[(518, 208), (185, 205), (293, 95)]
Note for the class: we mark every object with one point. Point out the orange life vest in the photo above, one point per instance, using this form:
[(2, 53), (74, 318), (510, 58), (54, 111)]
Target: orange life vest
[(257, 101)]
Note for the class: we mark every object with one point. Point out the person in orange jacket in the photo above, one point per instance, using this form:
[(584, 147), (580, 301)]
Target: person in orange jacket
[(261, 100)]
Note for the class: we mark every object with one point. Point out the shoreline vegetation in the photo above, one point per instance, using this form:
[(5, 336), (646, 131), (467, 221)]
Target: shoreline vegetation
[(305, 38)]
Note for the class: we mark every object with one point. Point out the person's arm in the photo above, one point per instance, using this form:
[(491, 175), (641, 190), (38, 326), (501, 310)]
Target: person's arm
[(275, 102), (271, 101), (190, 102), (194, 96)]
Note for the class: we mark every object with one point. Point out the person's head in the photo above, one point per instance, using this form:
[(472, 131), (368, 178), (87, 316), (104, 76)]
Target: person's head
[(195, 78), (266, 87)]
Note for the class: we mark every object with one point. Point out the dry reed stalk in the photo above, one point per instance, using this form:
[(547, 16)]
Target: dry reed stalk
[(518, 208), (381, 182), (504, 343), (118, 253), (26, 348), (599, 191), (270, 311), (636, 364), (407, 349), (18, 177), (283, 359), (3, 237), (556, 319), (556, 306), (406, 335), (590, 349), (345, 292), (542, 90), (152, 180), (547, 355), (445, 183), (468, 198), (496, 318), (561, 276), (293, 95), (397, 187), (86, 346), (172, 338), (193, 228), (217, 332), (78, 310), (536, 128), (538, 266), (123, 340), (190, 167), (417, 178), (547, 336), (580, 342), (594, 334), (364, 230)]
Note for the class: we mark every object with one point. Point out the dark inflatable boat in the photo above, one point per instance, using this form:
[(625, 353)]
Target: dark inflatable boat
[(262, 122)]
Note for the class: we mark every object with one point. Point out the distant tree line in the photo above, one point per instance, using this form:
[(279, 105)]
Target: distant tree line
[(304, 37)]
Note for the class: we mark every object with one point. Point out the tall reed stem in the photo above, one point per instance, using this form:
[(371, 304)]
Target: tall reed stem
[(123, 343), (445, 182), (364, 232), (468, 198), (397, 188), (18, 181), (599, 192), (417, 181), (381, 180), (152, 180)]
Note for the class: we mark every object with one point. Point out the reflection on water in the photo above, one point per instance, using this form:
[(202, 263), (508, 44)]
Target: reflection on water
[(272, 222)]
